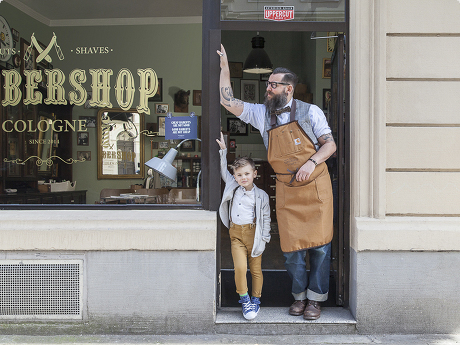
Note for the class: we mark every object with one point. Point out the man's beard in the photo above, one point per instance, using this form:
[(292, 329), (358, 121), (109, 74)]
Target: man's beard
[(277, 101)]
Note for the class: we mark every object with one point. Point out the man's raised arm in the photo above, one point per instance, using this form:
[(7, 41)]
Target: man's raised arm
[(233, 105)]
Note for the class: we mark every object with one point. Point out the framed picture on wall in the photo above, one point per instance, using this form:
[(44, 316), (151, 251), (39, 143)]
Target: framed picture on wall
[(236, 69), (250, 91), (161, 108), (327, 68), (83, 138), (159, 95), (236, 127), (84, 155), (188, 146), (161, 126), (326, 98), (197, 97)]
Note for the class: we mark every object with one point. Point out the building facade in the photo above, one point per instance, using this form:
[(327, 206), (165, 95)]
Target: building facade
[(159, 268)]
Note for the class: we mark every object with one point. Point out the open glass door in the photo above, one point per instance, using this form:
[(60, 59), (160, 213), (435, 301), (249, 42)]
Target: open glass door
[(339, 123)]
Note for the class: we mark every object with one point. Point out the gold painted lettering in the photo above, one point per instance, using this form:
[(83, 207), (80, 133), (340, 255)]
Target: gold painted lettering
[(30, 126), (76, 78), (148, 88), (56, 92), (4, 126), (59, 127), (100, 87), (24, 126), (125, 89), (82, 125), (12, 92), (33, 77), (46, 122), (67, 125)]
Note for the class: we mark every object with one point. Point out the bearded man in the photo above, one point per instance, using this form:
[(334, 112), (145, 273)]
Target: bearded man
[(299, 141)]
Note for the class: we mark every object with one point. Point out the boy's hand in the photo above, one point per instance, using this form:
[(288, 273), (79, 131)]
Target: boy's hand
[(221, 142)]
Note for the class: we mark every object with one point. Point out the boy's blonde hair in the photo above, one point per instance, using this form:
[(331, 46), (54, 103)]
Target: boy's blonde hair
[(241, 162)]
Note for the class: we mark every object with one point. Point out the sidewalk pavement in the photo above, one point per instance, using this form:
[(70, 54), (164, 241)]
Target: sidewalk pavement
[(412, 339)]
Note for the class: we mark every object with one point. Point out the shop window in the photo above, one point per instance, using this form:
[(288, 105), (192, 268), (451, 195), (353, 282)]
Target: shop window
[(83, 108)]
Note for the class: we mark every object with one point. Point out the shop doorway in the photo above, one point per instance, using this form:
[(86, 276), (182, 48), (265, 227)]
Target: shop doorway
[(322, 73)]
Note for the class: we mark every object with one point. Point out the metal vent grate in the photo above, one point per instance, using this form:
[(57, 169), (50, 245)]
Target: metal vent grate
[(40, 289)]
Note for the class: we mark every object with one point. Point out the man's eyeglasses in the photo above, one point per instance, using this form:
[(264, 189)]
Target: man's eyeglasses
[(274, 84)]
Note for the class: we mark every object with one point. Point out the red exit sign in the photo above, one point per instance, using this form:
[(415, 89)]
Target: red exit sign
[(279, 13)]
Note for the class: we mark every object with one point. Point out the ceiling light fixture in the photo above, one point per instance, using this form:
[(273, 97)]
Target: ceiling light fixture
[(258, 61)]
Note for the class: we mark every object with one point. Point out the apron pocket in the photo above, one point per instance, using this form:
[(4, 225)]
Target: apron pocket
[(287, 142), (324, 187)]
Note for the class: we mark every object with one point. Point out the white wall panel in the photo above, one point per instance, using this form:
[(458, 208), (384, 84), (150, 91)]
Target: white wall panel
[(430, 193), (431, 102), (423, 57), (428, 16), (423, 147)]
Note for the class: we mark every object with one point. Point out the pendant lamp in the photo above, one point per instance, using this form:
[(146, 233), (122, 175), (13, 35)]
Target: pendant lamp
[(258, 61)]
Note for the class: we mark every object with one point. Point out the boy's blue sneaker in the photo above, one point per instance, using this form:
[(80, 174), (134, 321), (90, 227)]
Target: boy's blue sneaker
[(248, 309), (255, 305)]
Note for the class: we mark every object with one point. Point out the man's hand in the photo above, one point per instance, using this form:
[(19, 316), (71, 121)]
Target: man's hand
[(305, 171), (221, 142), (223, 57)]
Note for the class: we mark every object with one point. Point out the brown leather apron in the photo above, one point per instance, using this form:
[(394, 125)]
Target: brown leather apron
[(304, 209)]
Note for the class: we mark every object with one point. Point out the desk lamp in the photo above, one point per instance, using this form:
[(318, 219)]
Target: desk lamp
[(164, 166)]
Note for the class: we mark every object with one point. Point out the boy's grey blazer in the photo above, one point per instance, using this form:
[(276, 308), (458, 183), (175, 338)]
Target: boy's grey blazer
[(262, 233)]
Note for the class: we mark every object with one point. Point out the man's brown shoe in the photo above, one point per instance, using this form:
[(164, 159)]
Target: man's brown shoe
[(312, 311), (297, 308)]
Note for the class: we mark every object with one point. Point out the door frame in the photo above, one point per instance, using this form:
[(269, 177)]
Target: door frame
[(212, 27)]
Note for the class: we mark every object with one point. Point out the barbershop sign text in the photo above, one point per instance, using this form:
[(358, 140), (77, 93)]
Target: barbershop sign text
[(100, 87)]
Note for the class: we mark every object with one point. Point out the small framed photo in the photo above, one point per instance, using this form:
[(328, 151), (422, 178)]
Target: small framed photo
[(90, 121), (326, 98), (232, 145), (254, 130), (236, 127), (250, 91), (84, 156), (161, 126), (161, 108), (163, 145), (197, 97), (158, 97), (236, 69), (327, 68), (83, 138), (188, 146), (153, 145)]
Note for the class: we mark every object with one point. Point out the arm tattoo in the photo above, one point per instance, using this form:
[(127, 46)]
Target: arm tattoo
[(227, 99), (327, 137)]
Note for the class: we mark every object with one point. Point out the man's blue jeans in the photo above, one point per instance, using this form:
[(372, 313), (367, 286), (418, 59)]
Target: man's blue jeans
[(316, 286)]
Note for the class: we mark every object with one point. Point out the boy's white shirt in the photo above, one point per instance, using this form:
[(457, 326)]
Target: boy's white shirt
[(262, 233)]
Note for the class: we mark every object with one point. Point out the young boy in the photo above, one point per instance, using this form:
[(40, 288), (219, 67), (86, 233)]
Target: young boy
[(245, 211)]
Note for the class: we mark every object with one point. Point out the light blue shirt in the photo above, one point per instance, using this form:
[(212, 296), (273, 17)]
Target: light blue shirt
[(255, 115)]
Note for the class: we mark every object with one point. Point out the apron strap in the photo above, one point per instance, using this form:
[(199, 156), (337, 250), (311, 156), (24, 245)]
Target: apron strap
[(293, 110)]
